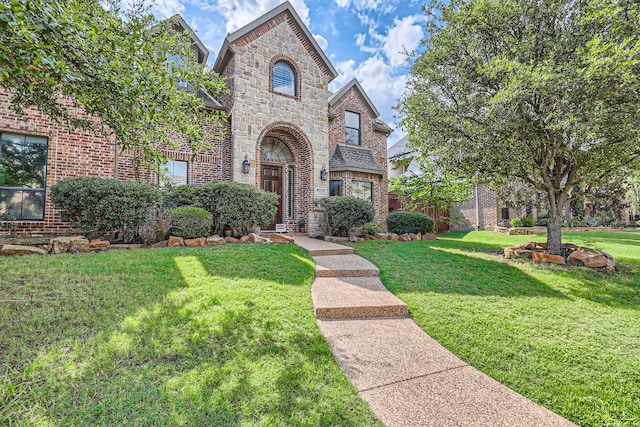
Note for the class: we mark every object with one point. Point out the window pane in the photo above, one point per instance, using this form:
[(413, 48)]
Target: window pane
[(362, 190), (284, 79), (352, 136), (33, 204), (11, 203), (335, 188), (23, 161), (175, 173), (352, 120)]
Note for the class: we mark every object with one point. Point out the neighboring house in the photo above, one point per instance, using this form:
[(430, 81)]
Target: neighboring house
[(483, 212), (286, 133)]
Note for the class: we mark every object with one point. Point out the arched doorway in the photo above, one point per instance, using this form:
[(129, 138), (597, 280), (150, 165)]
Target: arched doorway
[(285, 168)]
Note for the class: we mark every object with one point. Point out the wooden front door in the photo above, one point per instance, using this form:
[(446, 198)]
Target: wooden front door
[(272, 182)]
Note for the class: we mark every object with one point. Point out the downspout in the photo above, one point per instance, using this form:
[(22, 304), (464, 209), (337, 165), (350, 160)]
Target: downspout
[(477, 210)]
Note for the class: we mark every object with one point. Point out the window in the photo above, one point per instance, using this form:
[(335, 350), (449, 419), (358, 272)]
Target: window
[(352, 127), (23, 172), (335, 188), (174, 64), (175, 173), (362, 190), (283, 79)]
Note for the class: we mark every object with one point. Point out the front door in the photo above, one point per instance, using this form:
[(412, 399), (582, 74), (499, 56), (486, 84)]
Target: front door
[(272, 182)]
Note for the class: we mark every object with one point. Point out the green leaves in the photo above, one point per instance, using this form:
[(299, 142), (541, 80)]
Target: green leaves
[(57, 56)]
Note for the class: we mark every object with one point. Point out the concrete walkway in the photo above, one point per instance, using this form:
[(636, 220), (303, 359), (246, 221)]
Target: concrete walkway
[(405, 376)]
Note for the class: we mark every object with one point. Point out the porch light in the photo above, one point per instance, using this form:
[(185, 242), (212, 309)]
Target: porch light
[(245, 165), (323, 174)]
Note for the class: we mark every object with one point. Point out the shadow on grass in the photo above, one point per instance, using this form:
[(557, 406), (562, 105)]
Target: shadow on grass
[(202, 336)]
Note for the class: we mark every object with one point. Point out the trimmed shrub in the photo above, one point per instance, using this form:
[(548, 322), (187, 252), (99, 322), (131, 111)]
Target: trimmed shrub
[(372, 228), (190, 222), (409, 222), (97, 205), (239, 206), (528, 221), (516, 222), (343, 213)]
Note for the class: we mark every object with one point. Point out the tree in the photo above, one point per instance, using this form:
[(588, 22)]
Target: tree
[(89, 65), (546, 92), (430, 188)]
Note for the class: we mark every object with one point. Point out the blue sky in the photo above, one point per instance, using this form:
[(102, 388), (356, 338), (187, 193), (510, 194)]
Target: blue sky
[(362, 38)]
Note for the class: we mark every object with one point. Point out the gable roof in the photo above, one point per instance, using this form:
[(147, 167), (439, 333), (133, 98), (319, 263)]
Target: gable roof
[(399, 150), (284, 7), (353, 83), (358, 159), (203, 53)]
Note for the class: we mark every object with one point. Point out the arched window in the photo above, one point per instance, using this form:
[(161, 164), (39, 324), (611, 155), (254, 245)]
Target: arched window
[(283, 79), (274, 150)]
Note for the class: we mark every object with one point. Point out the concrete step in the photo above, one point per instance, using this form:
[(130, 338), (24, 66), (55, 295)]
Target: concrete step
[(315, 247), (344, 266), (354, 297)]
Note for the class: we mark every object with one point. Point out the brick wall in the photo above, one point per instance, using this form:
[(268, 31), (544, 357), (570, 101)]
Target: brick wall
[(489, 211), (353, 101)]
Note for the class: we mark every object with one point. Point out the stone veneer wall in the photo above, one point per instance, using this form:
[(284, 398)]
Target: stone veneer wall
[(489, 211), (81, 154), (254, 108), (376, 141)]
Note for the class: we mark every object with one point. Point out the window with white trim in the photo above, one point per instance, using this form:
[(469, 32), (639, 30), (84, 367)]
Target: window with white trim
[(23, 174), (283, 79)]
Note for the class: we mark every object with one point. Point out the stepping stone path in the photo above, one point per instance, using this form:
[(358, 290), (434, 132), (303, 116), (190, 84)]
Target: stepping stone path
[(405, 376)]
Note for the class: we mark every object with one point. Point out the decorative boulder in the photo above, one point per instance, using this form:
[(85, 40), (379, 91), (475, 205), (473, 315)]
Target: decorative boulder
[(280, 238), (545, 257), (256, 238), (245, 239), (380, 236), (215, 240), (72, 244), (175, 241), (405, 238), (196, 243), (9, 250), (231, 240), (98, 243), (429, 236), (588, 259), (161, 244)]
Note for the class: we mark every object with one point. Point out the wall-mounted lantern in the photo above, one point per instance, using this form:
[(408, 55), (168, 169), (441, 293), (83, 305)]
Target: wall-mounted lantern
[(323, 174), (245, 165)]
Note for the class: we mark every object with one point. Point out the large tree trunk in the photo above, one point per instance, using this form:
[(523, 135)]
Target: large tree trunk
[(554, 225)]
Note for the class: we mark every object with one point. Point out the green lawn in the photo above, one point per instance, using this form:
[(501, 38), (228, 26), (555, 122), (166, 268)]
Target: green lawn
[(567, 338), (185, 336)]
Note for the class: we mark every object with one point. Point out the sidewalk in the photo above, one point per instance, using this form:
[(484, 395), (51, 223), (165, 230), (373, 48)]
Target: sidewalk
[(405, 376)]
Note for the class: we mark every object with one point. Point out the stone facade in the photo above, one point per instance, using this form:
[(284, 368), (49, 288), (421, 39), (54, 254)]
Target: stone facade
[(304, 123)]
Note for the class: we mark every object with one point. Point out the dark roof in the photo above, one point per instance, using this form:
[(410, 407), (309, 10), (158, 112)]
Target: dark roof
[(209, 101), (358, 159)]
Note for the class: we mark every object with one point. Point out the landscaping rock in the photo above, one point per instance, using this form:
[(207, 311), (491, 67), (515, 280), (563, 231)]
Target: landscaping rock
[(529, 246), (175, 241), (543, 245), (215, 240), (256, 238), (73, 244), (588, 259), (569, 246), (369, 237), (414, 236), (196, 243), (405, 238), (380, 236), (245, 239), (231, 240), (353, 239), (98, 243), (10, 250), (161, 244), (545, 257), (280, 238), (394, 237), (429, 236)]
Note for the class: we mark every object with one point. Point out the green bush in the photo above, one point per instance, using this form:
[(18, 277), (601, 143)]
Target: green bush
[(372, 228), (516, 222), (409, 222), (97, 205), (343, 213), (240, 206), (528, 221), (190, 222), (543, 219)]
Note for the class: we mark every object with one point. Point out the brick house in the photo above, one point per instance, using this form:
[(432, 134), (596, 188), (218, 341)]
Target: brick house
[(286, 133)]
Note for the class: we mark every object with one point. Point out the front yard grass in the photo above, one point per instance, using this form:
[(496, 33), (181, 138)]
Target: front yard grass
[(184, 336), (567, 338)]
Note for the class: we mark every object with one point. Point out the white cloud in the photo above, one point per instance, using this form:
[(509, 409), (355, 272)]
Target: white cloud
[(167, 8), (405, 35), (384, 6), (322, 42)]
